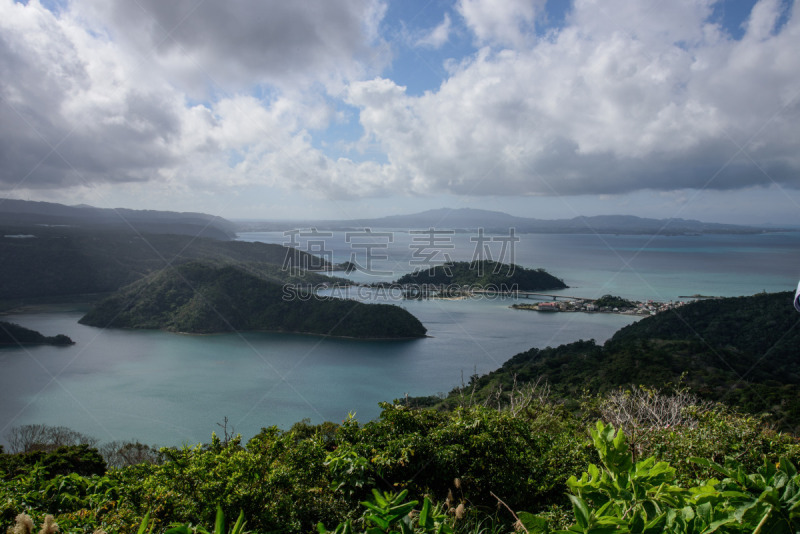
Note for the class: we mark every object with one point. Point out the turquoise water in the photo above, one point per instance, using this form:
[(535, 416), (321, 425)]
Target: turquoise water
[(639, 267), (170, 389)]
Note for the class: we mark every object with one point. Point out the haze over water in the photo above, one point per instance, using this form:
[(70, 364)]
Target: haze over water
[(169, 389)]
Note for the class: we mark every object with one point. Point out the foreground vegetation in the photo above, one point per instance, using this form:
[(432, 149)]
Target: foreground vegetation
[(456, 466)]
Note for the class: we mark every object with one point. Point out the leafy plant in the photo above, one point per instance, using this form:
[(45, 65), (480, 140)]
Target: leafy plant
[(640, 497), (387, 513), (219, 526), (350, 472), (769, 499)]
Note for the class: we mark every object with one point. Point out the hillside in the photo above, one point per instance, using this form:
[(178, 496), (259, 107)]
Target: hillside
[(484, 273), (742, 351), (13, 334), (28, 213), (47, 262), (199, 297)]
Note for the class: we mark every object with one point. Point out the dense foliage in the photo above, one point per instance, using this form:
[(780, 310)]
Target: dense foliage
[(291, 481), (14, 334), (199, 297), (80, 459), (484, 273), (742, 351), (642, 497), (613, 301)]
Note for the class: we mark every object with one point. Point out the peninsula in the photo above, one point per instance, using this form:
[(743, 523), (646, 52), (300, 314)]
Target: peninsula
[(605, 304), (203, 298), (12, 334)]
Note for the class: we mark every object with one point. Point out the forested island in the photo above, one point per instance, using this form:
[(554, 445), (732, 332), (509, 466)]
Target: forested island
[(203, 297), (12, 334), (483, 274)]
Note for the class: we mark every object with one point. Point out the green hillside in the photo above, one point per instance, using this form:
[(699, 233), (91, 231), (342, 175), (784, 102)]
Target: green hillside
[(62, 261), (200, 297), (740, 351), (485, 273)]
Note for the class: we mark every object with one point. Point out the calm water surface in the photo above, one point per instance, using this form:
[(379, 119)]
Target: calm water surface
[(171, 389)]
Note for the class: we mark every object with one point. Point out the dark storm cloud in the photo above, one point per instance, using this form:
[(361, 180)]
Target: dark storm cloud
[(246, 41)]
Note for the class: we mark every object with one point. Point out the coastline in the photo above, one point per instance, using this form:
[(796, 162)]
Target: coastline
[(637, 309)]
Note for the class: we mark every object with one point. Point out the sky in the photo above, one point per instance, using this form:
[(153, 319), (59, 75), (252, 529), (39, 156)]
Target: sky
[(337, 109)]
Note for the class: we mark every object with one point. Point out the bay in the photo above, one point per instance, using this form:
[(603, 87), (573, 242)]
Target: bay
[(632, 266), (170, 389)]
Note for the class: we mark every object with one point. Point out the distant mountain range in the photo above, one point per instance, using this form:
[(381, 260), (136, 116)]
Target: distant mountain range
[(22, 213), (469, 219), (25, 213)]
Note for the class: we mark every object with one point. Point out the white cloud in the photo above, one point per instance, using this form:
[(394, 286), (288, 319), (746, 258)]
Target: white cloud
[(70, 112), (209, 96), (504, 22), (438, 36), (763, 19), (237, 43), (656, 99), (78, 108)]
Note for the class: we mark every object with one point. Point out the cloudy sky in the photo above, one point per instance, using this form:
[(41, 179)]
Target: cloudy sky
[(346, 108)]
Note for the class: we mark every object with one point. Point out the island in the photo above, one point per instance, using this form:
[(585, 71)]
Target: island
[(465, 279), (12, 334), (204, 297)]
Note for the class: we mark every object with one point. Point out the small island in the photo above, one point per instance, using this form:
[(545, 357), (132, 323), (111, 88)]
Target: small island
[(12, 334), (204, 298), (466, 279)]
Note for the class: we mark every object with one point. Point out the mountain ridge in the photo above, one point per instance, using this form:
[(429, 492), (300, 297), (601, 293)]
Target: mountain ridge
[(474, 218), (26, 213)]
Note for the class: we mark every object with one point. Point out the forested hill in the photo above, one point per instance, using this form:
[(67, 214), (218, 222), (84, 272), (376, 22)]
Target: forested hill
[(741, 351), (765, 324), (50, 262), (483, 274), (38, 214), (198, 297)]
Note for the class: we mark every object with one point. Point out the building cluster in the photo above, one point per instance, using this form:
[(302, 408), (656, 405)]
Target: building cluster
[(649, 307)]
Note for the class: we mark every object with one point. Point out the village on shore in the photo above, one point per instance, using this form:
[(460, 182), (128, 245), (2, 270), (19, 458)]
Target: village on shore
[(605, 304)]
